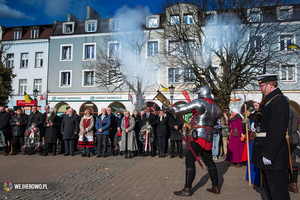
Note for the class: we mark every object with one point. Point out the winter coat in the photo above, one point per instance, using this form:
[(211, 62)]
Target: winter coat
[(90, 131), (69, 127), (162, 125), (175, 134), (18, 131), (51, 132), (4, 121), (131, 137), (38, 120), (104, 125)]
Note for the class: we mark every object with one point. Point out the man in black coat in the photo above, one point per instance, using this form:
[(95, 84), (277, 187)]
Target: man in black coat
[(4, 123), (175, 135), (270, 148), (69, 129), (149, 117), (18, 123), (37, 118), (113, 128)]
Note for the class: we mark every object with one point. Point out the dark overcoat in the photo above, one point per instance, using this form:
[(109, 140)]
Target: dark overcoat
[(69, 126), (175, 134), (4, 121), (162, 125), (37, 118), (51, 132), (18, 131), (274, 121)]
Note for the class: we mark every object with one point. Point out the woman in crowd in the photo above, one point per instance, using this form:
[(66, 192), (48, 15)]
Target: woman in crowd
[(52, 125), (128, 141), (86, 134), (162, 129), (235, 145)]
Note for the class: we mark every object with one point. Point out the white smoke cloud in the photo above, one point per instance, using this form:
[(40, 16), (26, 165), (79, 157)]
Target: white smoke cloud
[(7, 12)]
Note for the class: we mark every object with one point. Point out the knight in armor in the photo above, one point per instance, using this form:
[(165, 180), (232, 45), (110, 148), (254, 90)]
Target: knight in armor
[(205, 115)]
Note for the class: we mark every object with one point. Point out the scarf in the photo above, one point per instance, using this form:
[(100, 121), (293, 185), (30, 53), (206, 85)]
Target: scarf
[(126, 122)]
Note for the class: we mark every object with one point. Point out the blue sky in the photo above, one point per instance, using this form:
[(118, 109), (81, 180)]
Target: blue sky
[(37, 12)]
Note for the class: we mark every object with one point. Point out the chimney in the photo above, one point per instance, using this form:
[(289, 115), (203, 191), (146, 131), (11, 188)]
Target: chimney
[(91, 13), (71, 17)]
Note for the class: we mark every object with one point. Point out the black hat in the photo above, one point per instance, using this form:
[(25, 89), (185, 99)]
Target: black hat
[(266, 78)]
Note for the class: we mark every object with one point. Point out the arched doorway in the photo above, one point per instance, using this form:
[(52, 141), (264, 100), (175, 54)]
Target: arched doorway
[(61, 108), (153, 106), (116, 105), (89, 105)]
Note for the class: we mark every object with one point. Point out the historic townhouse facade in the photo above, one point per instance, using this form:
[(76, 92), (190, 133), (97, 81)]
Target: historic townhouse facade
[(26, 49)]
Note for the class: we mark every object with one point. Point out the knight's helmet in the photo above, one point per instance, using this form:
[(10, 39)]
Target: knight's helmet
[(204, 92)]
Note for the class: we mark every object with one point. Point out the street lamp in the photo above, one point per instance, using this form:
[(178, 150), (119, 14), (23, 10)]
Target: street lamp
[(172, 89), (35, 94)]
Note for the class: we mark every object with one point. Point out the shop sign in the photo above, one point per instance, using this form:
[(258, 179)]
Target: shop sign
[(24, 103)]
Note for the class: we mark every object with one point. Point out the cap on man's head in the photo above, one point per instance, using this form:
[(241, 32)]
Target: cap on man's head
[(266, 78), (67, 108)]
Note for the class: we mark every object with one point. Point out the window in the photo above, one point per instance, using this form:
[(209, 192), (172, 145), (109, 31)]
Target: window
[(152, 21), (34, 34), (152, 76), (114, 24), (17, 35), (39, 59), (114, 50), (152, 48), (22, 86), (254, 16), (10, 60), (189, 48), (288, 73), (89, 51), (285, 13), (174, 20), (174, 48), (256, 43), (285, 41), (188, 19), (68, 27), (91, 26), (66, 52), (24, 60), (173, 75), (188, 75), (65, 78), (38, 85), (88, 78)]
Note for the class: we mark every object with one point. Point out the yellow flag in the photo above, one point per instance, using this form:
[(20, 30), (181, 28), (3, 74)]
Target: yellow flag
[(28, 99), (164, 88), (293, 46)]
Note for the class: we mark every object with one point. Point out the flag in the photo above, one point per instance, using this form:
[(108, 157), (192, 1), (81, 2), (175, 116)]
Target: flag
[(293, 46), (186, 95), (164, 88), (28, 99), (43, 96)]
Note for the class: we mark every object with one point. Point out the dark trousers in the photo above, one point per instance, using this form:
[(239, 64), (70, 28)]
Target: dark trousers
[(102, 144), (179, 147), (62, 143), (18, 142), (49, 146), (162, 144), (208, 161), (154, 147), (112, 142), (275, 184), (69, 147)]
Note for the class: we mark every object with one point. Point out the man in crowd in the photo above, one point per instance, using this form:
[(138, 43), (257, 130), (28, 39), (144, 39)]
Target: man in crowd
[(4, 123), (18, 123), (70, 129), (103, 128), (270, 149), (150, 118), (36, 119), (112, 130)]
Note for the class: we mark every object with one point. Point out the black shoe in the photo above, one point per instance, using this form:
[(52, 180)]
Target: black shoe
[(163, 155), (99, 156), (104, 156), (14, 154), (184, 192), (72, 155), (172, 156), (66, 154), (180, 156), (83, 155), (152, 155), (45, 155)]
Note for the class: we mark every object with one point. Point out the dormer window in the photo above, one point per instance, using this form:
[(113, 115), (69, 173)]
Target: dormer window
[(68, 27), (285, 13), (188, 19), (34, 34), (91, 26), (114, 24), (254, 15), (17, 35), (153, 21), (174, 20)]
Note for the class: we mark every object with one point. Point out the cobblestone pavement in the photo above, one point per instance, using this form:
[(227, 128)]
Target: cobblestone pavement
[(115, 177)]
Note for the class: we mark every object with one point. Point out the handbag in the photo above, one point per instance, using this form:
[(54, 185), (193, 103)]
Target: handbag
[(235, 133), (294, 137)]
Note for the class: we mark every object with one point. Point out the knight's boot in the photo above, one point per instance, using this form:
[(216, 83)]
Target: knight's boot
[(214, 179), (189, 178), (293, 180)]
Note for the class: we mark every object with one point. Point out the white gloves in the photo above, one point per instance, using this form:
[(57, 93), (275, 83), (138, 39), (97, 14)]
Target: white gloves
[(266, 161)]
